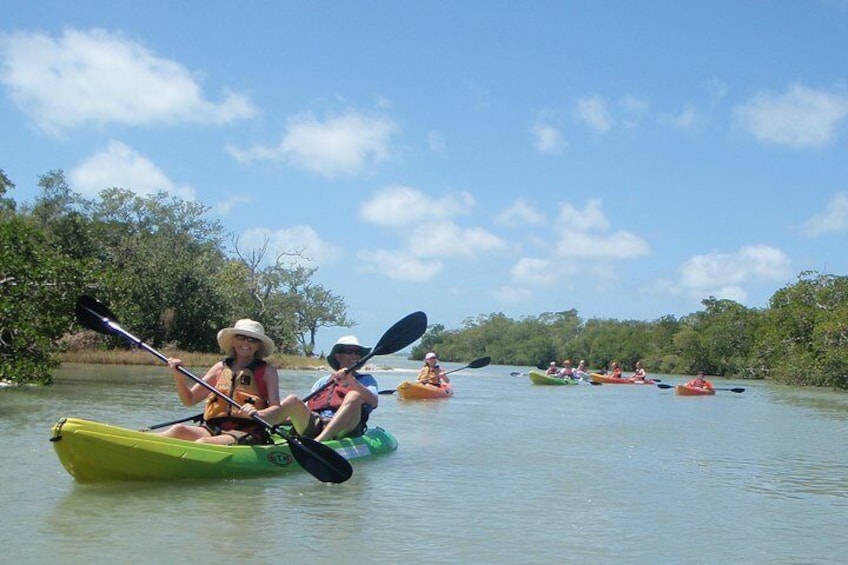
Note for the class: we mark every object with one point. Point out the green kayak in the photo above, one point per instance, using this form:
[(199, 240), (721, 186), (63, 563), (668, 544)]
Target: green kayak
[(95, 452), (540, 378)]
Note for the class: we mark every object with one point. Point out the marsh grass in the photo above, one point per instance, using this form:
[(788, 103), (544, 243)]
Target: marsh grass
[(190, 359)]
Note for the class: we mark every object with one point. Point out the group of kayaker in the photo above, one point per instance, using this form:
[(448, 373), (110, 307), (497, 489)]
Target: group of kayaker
[(337, 406), (567, 371)]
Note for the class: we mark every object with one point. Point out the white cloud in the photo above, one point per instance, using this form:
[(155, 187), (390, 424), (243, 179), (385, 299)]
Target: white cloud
[(833, 219), (425, 228), (340, 145), (297, 245), (534, 272), (520, 213), (800, 117), (121, 166), (591, 218), (592, 111), (399, 206), (97, 77), (399, 265), (548, 139), (618, 245), (723, 274), (446, 239), (686, 119), (582, 234)]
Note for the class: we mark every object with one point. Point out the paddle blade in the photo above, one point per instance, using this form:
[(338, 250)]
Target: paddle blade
[(319, 460), (661, 385), (387, 391), (402, 333), (478, 363), (94, 315)]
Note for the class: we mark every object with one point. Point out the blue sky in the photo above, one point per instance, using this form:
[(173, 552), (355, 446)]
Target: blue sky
[(625, 159)]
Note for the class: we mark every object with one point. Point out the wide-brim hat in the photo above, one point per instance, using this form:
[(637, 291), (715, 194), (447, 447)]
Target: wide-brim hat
[(250, 328), (345, 341), (431, 355)]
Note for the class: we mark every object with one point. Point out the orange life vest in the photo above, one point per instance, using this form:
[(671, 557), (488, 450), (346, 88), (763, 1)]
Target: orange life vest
[(248, 385), (429, 375)]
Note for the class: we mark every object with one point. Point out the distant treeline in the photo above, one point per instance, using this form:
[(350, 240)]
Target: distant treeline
[(801, 338)]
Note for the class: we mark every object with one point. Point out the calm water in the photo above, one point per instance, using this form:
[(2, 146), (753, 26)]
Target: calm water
[(503, 472)]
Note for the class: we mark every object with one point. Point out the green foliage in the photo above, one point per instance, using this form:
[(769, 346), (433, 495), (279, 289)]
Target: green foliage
[(155, 260), (38, 287)]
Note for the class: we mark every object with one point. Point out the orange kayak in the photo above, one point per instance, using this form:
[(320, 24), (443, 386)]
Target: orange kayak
[(606, 379), (408, 390), (684, 390)]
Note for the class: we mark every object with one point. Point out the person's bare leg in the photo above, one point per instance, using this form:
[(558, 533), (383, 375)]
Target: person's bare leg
[(345, 419)]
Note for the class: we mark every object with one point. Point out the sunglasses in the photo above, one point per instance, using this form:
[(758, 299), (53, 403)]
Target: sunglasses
[(246, 338), (350, 350)]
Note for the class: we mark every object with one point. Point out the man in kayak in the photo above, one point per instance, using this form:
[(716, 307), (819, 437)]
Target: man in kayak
[(431, 373), (338, 405), (552, 369), (639, 374), (700, 382), (243, 376)]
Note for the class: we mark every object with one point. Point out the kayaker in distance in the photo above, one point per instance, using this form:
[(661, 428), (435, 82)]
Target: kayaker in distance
[(566, 372), (245, 377), (431, 373), (552, 369), (700, 382), (582, 372), (615, 370), (640, 373), (342, 407)]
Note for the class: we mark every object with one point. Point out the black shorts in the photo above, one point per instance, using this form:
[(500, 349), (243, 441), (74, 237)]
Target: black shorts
[(244, 432)]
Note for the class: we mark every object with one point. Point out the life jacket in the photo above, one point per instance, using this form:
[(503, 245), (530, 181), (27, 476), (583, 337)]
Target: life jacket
[(246, 386), (330, 398), (429, 375)]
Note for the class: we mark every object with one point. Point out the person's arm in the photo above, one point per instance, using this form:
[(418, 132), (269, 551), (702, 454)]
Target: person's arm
[(272, 383), (190, 396), (367, 388)]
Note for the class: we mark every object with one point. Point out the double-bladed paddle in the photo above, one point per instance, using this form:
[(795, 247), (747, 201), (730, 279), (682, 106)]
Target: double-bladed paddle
[(736, 389), (476, 364), (319, 460)]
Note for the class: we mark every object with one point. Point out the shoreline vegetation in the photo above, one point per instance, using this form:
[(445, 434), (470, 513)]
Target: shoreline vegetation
[(190, 359)]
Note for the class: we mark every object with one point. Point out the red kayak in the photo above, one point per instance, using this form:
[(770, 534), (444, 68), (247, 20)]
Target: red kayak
[(606, 379), (686, 390)]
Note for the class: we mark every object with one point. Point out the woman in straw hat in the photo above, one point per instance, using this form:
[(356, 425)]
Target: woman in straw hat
[(341, 402), (243, 376)]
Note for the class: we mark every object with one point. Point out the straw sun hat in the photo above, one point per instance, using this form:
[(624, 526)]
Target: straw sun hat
[(250, 328)]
